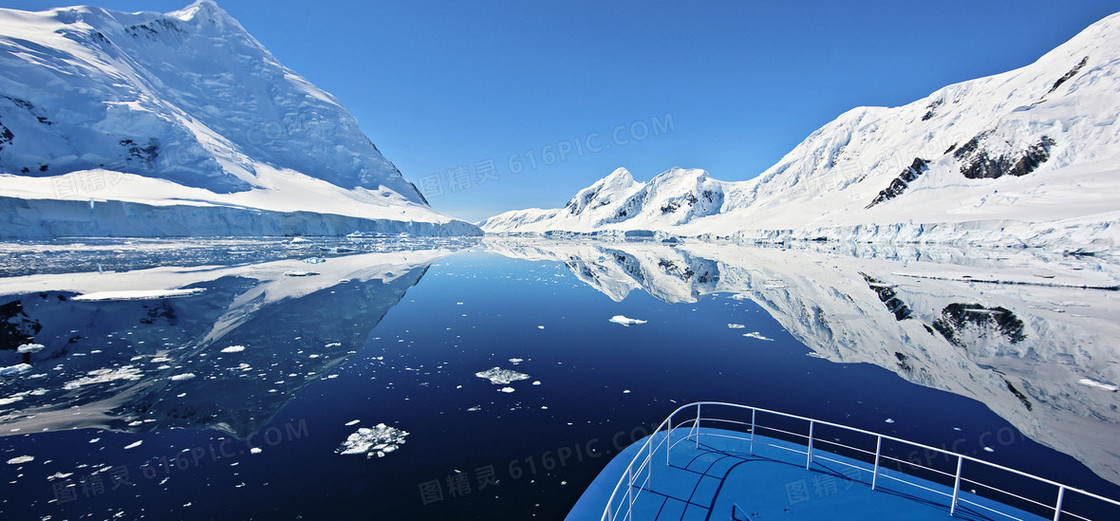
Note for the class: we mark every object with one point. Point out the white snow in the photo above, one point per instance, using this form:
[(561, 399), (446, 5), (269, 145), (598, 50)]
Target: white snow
[(378, 440), (499, 376), (626, 321), (181, 124), (824, 187), (1098, 385), (139, 294)]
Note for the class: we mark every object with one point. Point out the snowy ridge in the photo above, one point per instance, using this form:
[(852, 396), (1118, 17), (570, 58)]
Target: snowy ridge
[(169, 111), (1024, 157), (1025, 353)]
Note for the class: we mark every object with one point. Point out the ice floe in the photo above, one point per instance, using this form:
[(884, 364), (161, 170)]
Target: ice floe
[(181, 377), (626, 321), (30, 348), (13, 370), (133, 445), (378, 440), (758, 336), (735, 326), (19, 460), (499, 376), (98, 376), (234, 349), (507, 389)]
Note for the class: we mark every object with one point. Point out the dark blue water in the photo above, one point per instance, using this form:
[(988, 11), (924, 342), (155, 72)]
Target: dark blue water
[(411, 338)]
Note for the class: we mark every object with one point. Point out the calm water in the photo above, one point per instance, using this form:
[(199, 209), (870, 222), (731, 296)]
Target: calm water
[(231, 401)]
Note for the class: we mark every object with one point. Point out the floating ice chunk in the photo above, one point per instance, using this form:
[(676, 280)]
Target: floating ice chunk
[(739, 296), (352, 423), (59, 475), (1098, 385), (30, 348), (19, 460), (888, 420), (133, 445), (516, 361), (625, 321), (11, 399), (255, 450), (989, 449), (300, 273), (234, 349), (536, 382), (140, 294), (315, 260), (758, 336), (735, 326), (499, 376), (506, 389), (13, 370), (378, 440), (181, 377), (98, 376), (540, 327)]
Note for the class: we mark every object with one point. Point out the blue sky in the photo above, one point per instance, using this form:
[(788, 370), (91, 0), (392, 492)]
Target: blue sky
[(470, 89)]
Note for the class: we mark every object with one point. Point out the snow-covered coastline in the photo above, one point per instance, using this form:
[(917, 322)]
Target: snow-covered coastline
[(1023, 158), (181, 124)]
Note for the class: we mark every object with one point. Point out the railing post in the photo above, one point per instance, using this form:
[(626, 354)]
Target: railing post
[(697, 426), (878, 452), (956, 487), (753, 413), (809, 453), (1058, 505), (669, 437), (630, 492)]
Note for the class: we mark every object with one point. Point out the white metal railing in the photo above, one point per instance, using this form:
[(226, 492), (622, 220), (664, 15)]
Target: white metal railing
[(638, 473)]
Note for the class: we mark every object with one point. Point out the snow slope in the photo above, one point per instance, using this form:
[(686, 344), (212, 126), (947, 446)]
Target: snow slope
[(1025, 348), (169, 114), (1028, 156)]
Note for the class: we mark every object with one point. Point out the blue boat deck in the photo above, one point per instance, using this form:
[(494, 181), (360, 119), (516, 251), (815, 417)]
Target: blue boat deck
[(724, 476)]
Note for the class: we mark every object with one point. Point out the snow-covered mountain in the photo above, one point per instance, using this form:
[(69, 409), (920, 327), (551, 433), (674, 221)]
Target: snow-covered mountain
[(1038, 350), (181, 123), (1027, 156)]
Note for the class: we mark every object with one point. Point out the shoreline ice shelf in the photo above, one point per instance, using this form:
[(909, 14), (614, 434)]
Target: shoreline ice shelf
[(181, 124)]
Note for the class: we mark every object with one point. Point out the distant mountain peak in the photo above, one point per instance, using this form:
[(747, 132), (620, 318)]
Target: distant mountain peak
[(1025, 157)]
